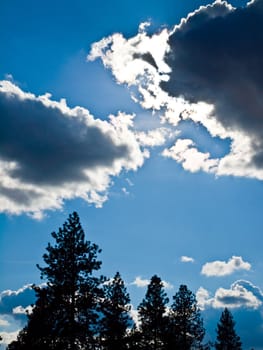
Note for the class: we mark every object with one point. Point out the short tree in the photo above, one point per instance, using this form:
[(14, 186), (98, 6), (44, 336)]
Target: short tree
[(116, 319), (227, 339), (185, 329), (152, 315)]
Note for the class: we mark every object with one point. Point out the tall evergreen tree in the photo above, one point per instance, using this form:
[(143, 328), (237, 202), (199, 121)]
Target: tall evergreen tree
[(116, 318), (66, 310), (185, 329), (227, 339), (152, 316)]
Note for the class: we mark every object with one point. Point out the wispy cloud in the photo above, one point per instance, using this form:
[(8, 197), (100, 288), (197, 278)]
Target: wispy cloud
[(220, 268)]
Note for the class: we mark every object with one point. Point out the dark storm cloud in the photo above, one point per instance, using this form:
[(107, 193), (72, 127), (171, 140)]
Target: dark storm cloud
[(48, 146), (17, 195), (216, 56)]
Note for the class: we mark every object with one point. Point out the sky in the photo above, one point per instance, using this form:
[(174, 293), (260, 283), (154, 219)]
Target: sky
[(145, 117)]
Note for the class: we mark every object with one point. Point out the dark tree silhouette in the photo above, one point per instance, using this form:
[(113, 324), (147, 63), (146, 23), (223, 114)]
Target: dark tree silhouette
[(186, 329), (152, 316), (66, 311), (227, 339), (116, 318)]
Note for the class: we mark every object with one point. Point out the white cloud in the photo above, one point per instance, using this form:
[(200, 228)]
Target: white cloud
[(167, 285), (20, 310), (138, 62), (191, 90), (14, 303), (125, 191), (4, 323), (130, 59), (70, 154), (155, 137), (12, 293), (203, 298), (134, 315), (142, 283), (241, 294), (221, 268), (187, 259), (192, 160), (8, 337)]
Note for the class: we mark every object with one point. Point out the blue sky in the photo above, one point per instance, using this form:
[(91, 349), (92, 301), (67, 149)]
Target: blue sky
[(158, 147)]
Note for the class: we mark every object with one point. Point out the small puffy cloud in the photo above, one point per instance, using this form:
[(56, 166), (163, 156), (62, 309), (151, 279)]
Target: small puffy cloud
[(8, 337), (20, 310), (50, 152), (125, 191), (142, 283), (241, 294), (167, 285), (220, 268), (186, 259), (192, 160)]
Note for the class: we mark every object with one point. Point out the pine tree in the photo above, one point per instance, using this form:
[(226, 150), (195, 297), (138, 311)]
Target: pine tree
[(185, 329), (66, 311), (152, 315), (227, 339), (116, 318)]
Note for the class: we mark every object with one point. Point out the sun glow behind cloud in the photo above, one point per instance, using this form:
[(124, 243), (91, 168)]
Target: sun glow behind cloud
[(169, 83)]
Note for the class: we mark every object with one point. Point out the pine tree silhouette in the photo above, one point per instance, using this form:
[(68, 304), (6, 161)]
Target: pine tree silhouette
[(152, 316), (227, 339), (66, 311), (116, 318), (186, 329)]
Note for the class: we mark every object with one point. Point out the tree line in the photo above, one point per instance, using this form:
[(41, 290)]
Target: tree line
[(77, 308)]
